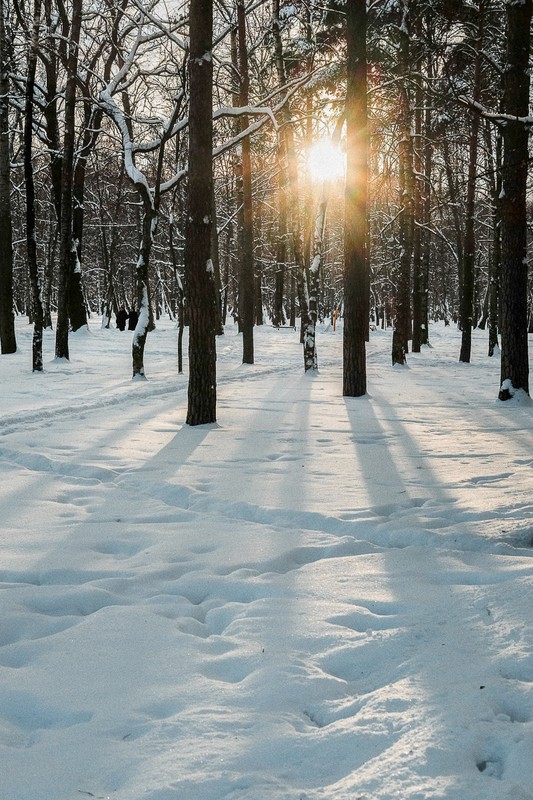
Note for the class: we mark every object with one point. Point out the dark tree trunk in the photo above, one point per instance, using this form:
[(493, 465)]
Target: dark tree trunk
[(493, 291), (68, 250), (50, 107), (145, 321), (400, 336), (215, 257), (418, 280), (31, 244), (48, 275), (200, 285), (109, 245), (514, 358), (278, 314), (8, 340), (356, 297), (469, 251), (258, 299), (455, 203), (179, 295), (426, 202), (246, 233), (292, 302), (76, 302)]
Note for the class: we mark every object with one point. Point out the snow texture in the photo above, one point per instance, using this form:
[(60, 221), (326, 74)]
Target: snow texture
[(316, 598)]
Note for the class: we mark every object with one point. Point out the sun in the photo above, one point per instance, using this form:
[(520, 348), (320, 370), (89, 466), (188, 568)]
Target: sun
[(326, 162)]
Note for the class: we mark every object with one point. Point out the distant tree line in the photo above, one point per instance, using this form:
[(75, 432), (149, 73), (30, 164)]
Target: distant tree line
[(155, 156)]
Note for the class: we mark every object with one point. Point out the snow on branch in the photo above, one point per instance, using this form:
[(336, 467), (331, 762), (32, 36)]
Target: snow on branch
[(498, 117), (134, 174), (180, 41)]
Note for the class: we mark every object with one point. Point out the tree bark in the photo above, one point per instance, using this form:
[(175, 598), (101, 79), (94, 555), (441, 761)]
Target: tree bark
[(356, 297), (8, 340), (68, 249), (514, 358), (418, 277), (93, 119), (200, 286), (31, 244), (145, 321), (278, 314), (215, 257), (51, 67), (495, 261), (246, 232), (426, 192), (469, 251), (400, 336)]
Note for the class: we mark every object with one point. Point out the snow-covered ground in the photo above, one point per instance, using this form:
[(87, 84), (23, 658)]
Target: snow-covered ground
[(317, 598)]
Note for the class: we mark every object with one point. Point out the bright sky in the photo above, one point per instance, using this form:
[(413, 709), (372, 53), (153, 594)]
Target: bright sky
[(326, 161)]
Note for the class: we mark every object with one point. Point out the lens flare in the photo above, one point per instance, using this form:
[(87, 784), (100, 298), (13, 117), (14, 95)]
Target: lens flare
[(326, 162)]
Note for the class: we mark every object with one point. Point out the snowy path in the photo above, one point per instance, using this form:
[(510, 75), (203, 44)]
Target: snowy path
[(314, 599)]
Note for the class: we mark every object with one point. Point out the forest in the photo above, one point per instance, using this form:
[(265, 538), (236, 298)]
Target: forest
[(271, 162)]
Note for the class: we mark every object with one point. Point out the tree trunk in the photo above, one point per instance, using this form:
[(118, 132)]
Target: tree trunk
[(400, 336), (315, 268), (76, 303), (455, 203), (356, 298), (8, 340), (145, 321), (426, 202), (109, 244), (246, 232), (199, 270), (31, 244), (68, 250), (418, 281), (469, 251), (292, 302), (51, 66), (215, 257), (494, 272), (179, 294), (48, 275), (514, 358), (278, 314)]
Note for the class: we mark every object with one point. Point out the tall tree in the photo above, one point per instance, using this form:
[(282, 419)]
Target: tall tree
[(495, 178), (92, 125), (31, 242), (68, 250), (400, 336), (246, 223), (278, 313), (426, 190), (355, 231), (469, 251), (7, 319), (423, 161), (51, 55), (516, 81), (418, 265), (200, 285)]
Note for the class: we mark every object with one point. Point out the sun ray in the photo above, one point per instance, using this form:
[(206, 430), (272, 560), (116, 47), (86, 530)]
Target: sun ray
[(325, 162)]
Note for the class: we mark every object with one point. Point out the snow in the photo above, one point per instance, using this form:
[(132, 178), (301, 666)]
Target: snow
[(315, 598)]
